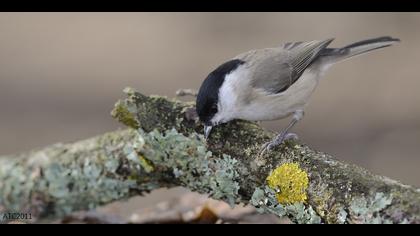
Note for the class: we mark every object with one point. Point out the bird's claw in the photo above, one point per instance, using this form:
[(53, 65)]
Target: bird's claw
[(263, 149), (268, 146), (290, 136)]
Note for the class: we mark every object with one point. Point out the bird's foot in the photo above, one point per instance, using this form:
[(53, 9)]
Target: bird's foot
[(268, 146), (291, 136)]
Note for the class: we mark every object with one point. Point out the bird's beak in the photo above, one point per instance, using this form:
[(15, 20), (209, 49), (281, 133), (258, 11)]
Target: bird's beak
[(207, 130)]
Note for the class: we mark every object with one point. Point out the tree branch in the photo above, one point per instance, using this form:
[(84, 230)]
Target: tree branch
[(164, 148)]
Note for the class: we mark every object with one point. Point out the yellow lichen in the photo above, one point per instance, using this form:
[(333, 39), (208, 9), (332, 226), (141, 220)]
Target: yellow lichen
[(290, 183), (146, 164), (123, 115)]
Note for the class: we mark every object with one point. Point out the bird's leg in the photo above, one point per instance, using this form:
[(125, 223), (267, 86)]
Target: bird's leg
[(297, 116)]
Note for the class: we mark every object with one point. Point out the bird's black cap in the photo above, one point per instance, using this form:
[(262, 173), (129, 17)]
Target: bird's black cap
[(208, 95)]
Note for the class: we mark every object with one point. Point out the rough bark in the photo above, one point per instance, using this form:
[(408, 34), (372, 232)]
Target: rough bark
[(164, 147)]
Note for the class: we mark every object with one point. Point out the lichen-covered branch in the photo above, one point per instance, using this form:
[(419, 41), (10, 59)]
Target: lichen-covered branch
[(164, 148)]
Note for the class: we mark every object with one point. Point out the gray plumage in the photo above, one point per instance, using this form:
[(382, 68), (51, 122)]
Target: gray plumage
[(276, 69), (272, 83)]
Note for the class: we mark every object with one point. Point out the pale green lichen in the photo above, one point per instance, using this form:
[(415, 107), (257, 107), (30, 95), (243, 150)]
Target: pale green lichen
[(342, 216), (189, 161), (111, 172), (290, 183), (223, 183), (367, 211), (264, 199), (64, 178)]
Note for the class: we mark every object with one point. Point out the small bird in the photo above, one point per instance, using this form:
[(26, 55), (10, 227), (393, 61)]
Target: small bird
[(272, 83)]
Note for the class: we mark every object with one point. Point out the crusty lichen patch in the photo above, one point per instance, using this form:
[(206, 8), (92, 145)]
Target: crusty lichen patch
[(367, 211), (146, 164), (123, 115), (64, 178), (265, 200), (290, 183), (150, 112), (186, 160), (285, 194)]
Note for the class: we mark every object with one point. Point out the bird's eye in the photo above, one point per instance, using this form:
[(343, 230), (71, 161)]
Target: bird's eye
[(213, 108)]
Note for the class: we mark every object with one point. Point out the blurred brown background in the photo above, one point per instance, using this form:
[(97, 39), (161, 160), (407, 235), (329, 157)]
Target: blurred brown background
[(60, 74)]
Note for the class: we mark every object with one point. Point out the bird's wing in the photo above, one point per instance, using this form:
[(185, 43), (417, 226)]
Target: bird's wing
[(276, 69)]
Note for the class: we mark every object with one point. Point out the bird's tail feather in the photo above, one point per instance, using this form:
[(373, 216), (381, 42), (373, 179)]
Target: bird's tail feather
[(335, 55)]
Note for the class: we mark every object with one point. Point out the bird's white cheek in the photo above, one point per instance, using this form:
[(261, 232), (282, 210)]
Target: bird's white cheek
[(214, 120), (228, 96), (222, 116), (218, 119)]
